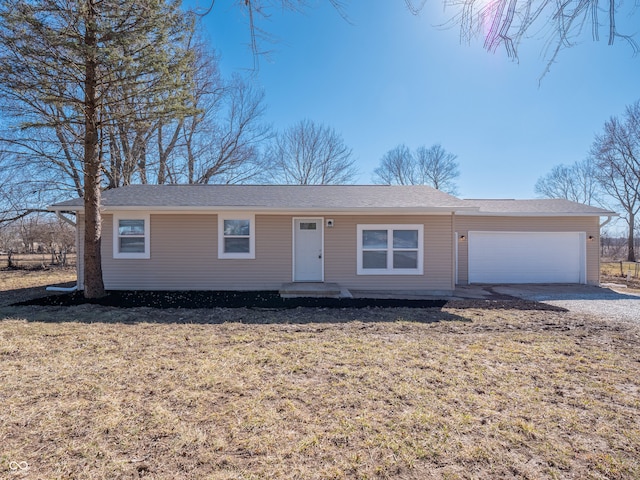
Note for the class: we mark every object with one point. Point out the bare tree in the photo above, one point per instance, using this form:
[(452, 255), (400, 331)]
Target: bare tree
[(437, 167), (219, 142), (507, 23), (20, 194), (7, 237), (432, 166), (396, 167), (223, 145), (617, 154), (577, 182), (260, 9), (501, 23), (310, 154)]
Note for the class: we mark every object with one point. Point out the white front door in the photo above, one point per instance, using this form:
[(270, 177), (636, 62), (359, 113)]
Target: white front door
[(308, 250)]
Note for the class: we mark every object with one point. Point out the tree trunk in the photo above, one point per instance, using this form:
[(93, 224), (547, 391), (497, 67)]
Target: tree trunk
[(631, 257), (93, 284)]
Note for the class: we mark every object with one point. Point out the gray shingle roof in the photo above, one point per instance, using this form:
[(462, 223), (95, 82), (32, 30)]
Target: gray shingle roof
[(546, 206), (275, 197), (319, 198)]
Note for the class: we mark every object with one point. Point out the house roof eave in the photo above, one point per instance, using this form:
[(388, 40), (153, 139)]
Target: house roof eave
[(165, 209)]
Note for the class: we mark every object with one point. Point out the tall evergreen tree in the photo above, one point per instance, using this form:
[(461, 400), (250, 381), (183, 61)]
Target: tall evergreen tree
[(84, 65)]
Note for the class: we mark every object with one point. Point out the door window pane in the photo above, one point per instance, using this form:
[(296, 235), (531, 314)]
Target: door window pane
[(405, 239), (307, 225), (374, 239)]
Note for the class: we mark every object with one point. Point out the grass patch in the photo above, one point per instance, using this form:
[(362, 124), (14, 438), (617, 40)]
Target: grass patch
[(613, 269), (17, 285), (475, 393), (629, 275)]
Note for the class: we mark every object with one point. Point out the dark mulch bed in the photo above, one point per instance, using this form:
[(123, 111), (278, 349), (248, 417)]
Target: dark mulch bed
[(264, 299), (224, 299)]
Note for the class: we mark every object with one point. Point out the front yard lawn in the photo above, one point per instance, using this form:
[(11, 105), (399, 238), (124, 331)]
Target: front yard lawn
[(101, 392)]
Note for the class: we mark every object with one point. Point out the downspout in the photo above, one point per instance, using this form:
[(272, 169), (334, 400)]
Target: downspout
[(606, 221), (454, 246), (609, 217), (75, 287), (62, 289)]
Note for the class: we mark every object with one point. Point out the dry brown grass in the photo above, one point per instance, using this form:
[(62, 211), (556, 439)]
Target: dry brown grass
[(628, 276), (102, 393), (613, 268), (17, 285)]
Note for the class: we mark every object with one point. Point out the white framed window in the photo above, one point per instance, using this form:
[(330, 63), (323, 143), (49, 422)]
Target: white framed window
[(390, 249), (131, 235), (236, 236)]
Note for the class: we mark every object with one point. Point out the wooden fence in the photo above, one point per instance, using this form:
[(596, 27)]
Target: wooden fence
[(30, 261)]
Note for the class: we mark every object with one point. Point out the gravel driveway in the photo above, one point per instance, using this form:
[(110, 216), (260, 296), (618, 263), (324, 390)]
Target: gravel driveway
[(603, 302)]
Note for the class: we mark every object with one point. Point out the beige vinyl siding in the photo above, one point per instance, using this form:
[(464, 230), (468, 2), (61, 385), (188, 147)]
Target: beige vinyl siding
[(340, 244), (184, 256), (589, 225)]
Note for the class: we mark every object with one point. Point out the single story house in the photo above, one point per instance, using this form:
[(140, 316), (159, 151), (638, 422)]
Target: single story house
[(361, 237)]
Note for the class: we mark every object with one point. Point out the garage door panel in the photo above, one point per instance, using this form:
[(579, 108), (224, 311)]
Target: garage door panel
[(526, 257)]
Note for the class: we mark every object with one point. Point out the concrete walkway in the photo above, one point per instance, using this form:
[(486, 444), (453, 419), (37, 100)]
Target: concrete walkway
[(607, 302)]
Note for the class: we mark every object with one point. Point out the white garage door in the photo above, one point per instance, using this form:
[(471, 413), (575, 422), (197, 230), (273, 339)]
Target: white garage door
[(527, 257)]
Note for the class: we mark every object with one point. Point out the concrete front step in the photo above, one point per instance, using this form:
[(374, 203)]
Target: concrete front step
[(313, 289)]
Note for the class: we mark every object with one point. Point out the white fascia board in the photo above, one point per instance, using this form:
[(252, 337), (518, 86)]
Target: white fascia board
[(63, 209), (534, 214), (278, 211), (288, 211)]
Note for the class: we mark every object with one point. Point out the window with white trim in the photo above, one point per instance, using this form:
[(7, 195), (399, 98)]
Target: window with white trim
[(131, 235), (390, 249), (236, 236)]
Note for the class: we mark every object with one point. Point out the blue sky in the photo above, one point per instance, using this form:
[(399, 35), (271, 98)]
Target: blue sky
[(388, 77)]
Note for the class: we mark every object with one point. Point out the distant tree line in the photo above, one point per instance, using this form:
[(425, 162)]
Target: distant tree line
[(615, 247), (37, 234), (609, 176)]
